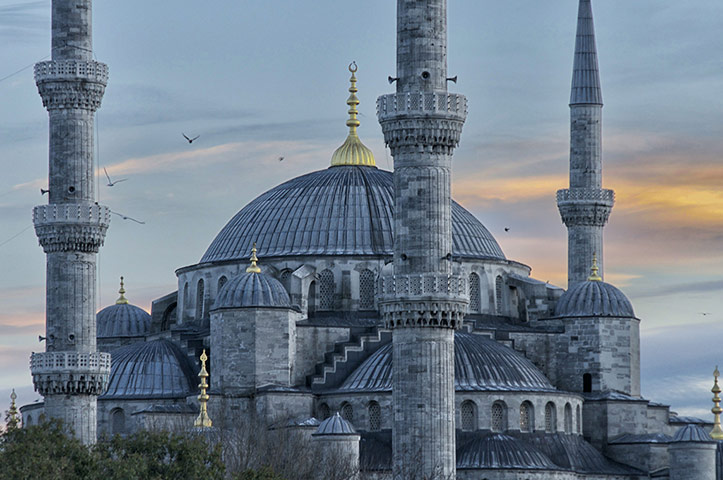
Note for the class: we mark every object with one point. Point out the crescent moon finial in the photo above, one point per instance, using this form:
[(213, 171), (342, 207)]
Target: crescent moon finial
[(352, 67)]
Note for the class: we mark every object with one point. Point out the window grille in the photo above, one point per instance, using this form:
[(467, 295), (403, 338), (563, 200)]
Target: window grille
[(326, 290), (324, 411), (526, 417), (118, 421), (366, 290), (199, 300), (221, 282), (568, 418), (347, 413), (285, 279), (578, 418), (375, 417), (474, 293), (498, 294), (550, 420), (499, 417), (468, 416)]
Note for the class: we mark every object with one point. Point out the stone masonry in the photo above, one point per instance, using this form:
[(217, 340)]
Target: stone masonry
[(70, 374), (423, 301), (585, 207)]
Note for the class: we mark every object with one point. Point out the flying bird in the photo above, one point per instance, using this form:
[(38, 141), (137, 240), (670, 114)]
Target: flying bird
[(507, 229), (704, 313), (281, 159), (110, 182), (126, 217), (190, 140)]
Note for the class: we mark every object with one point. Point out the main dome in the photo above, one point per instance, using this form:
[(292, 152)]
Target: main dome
[(342, 210)]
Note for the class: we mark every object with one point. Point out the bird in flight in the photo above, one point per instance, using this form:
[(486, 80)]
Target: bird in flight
[(190, 140), (110, 182), (126, 217), (507, 229), (281, 159)]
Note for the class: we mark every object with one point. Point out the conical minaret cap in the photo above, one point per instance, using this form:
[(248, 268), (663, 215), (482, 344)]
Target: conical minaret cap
[(586, 88), (353, 151)]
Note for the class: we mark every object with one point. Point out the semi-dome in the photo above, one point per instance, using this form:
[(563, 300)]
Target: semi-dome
[(122, 319), (157, 369), (342, 210), (594, 298), (692, 433), (480, 364), (502, 451), (335, 425), (252, 289)]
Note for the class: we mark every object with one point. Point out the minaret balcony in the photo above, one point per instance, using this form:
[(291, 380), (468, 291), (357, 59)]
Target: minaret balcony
[(451, 105), (71, 227), (71, 84), (585, 206), (70, 372), (584, 195)]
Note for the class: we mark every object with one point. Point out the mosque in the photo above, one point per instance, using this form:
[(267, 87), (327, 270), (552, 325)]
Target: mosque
[(347, 304)]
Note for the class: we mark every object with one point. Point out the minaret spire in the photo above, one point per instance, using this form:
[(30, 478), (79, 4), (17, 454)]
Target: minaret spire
[(585, 207)]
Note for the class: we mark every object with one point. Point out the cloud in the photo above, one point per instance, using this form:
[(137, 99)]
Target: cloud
[(21, 20)]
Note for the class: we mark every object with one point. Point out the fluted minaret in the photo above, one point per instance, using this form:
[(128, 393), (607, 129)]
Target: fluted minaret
[(585, 206), (70, 374), (424, 301)]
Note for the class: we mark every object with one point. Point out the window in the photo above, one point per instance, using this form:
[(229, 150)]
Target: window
[(311, 297), (199, 300), (568, 418), (578, 419), (28, 421), (324, 411), (366, 290), (527, 418), (587, 383), (347, 412), (375, 417), (186, 298), (118, 421), (285, 279), (550, 418), (468, 416), (499, 417), (326, 290), (498, 294), (221, 283), (474, 293)]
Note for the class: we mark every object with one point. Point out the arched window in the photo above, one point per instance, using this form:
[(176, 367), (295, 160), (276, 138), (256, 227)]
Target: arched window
[(199, 300), (326, 290), (221, 282), (587, 383), (568, 418), (324, 411), (375, 417), (550, 418), (474, 293), (498, 295), (285, 279), (366, 290), (499, 417), (169, 314), (468, 416), (527, 417), (311, 297), (347, 412), (28, 421), (578, 419), (118, 421)]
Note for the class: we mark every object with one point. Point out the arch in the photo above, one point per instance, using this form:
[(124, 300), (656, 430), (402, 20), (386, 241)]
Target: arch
[(568, 418), (366, 290), (324, 411), (498, 295), (221, 282), (327, 288), (168, 317), (578, 420), (118, 421), (347, 412), (587, 383), (550, 418), (28, 420), (200, 294), (475, 302), (468, 416), (311, 297), (527, 417), (498, 419), (375, 417), (285, 279)]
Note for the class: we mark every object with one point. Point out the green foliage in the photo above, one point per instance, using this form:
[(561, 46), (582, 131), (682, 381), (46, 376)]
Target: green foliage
[(265, 473)]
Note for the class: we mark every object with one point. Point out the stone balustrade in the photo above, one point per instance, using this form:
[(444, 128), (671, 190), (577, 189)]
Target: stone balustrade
[(598, 195), (66, 373), (71, 227), (421, 103)]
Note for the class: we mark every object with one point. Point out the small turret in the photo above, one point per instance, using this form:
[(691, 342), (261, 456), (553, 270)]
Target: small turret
[(692, 455)]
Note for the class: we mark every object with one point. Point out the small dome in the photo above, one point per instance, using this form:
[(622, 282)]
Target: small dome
[(594, 299), (335, 425), (480, 364), (252, 290), (502, 451), (157, 369), (122, 319), (692, 433)]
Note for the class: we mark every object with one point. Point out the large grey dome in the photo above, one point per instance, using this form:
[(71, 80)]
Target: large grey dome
[(122, 320), (252, 290), (480, 364), (343, 210), (594, 299), (157, 369), (502, 451)]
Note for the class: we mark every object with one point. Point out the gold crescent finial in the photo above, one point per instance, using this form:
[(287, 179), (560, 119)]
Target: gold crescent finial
[(122, 300), (352, 67), (253, 268), (12, 418), (717, 432), (594, 277), (203, 420)]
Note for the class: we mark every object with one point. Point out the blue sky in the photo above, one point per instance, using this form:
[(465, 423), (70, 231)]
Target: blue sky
[(258, 80)]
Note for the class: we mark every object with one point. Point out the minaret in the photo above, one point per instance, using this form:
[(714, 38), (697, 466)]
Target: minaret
[(585, 206), (424, 301), (70, 374)]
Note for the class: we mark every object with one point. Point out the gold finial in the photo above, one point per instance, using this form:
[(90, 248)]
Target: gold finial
[(717, 432), (203, 420), (594, 277), (12, 420), (122, 300), (253, 268), (353, 151)]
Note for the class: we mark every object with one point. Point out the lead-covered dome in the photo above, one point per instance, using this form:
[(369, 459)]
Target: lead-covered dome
[(502, 451), (480, 364), (252, 290), (343, 210), (122, 319), (594, 298), (157, 369)]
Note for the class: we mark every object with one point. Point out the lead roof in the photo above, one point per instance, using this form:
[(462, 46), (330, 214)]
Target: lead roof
[(586, 88)]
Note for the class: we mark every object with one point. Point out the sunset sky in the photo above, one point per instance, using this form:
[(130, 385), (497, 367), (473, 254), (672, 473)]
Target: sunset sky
[(262, 79)]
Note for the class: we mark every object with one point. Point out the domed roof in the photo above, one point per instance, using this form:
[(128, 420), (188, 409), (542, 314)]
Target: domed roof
[(157, 369), (594, 298), (122, 319), (343, 210), (335, 425), (502, 451), (480, 364), (692, 433), (252, 290)]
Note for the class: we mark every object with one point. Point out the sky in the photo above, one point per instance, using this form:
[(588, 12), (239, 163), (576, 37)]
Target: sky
[(258, 80)]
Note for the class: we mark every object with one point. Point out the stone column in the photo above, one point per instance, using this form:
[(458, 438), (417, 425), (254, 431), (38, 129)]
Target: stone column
[(424, 301), (71, 228)]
